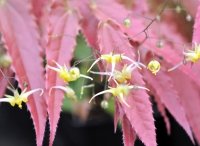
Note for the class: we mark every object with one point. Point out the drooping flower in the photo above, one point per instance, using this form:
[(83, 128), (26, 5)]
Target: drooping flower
[(120, 76), (191, 56), (69, 91), (113, 59), (19, 98), (120, 92), (68, 75), (154, 66)]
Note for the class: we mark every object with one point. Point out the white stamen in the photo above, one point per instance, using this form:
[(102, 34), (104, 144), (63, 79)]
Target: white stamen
[(101, 73), (33, 91), (84, 76), (94, 64), (122, 99), (175, 67), (106, 91), (58, 65)]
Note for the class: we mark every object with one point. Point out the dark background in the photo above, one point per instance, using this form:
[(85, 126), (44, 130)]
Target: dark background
[(16, 129)]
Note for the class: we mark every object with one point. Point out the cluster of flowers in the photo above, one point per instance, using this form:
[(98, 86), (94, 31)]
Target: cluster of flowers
[(121, 78)]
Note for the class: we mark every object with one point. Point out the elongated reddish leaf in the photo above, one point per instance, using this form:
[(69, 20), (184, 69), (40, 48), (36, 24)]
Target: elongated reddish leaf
[(185, 82), (41, 10), (140, 111), (161, 108), (129, 135), (102, 11), (189, 92), (21, 38), (39, 6), (89, 27), (89, 24), (191, 6), (116, 116), (163, 87), (62, 21)]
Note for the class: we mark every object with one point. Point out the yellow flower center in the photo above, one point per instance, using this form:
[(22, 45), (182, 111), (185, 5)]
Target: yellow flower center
[(120, 89), (74, 73), (154, 66), (112, 58)]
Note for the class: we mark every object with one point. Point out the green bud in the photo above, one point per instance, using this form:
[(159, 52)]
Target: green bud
[(127, 22)]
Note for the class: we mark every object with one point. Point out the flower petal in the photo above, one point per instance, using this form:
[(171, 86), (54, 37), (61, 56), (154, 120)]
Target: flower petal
[(32, 91), (94, 64), (106, 91), (84, 76)]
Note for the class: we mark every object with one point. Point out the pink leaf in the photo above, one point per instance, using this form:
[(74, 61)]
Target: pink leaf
[(65, 22), (21, 38), (38, 7), (163, 87), (161, 108), (129, 135), (102, 11), (89, 27), (89, 24), (140, 111), (191, 6), (189, 92), (188, 87), (116, 116)]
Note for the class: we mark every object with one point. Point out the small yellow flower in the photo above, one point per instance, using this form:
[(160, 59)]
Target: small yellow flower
[(69, 91), (193, 55), (125, 74), (122, 76), (113, 59), (120, 92), (154, 66), (68, 75), (19, 98)]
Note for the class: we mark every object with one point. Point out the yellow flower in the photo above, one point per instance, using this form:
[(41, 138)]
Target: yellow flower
[(68, 75), (69, 91), (113, 59), (193, 55), (154, 66), (19, 98), (125, 74), (120, 92), (122, 76)]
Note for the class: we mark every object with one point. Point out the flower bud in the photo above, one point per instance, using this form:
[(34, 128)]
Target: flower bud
[(127, 22), (104, 104), (159, 44)]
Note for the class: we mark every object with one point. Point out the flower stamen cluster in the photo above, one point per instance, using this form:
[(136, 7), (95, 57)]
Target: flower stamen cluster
[(121, 78), (113, 59), (19, 98), (68, 75), (154, 66), (191, 56), (69, 91)]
